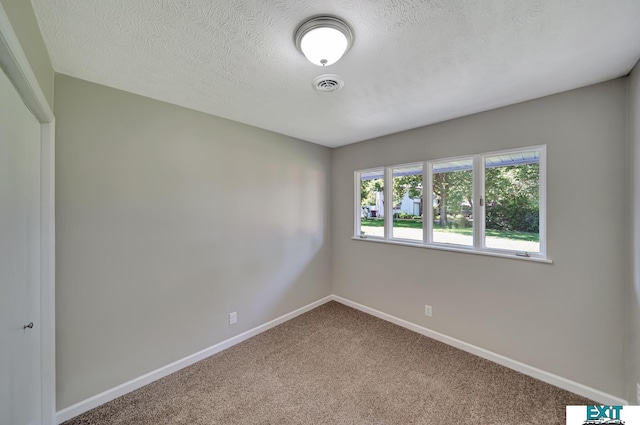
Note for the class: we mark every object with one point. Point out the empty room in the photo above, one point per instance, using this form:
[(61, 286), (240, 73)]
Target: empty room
[(319, 212)]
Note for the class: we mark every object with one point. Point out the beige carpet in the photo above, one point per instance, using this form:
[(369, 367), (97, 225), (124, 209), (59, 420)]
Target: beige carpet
[(336, 365)]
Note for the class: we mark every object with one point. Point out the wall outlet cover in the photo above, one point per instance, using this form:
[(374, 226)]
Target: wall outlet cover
[(233, 318), (428, 311)]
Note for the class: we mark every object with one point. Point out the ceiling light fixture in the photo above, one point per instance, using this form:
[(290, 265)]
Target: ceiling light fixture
[(323, 39)]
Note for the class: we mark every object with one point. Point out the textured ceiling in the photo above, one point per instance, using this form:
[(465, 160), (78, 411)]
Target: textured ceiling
[(413, 62)]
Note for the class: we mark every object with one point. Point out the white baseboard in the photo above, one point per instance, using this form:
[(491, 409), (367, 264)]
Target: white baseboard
[(122, 389), (550, 378), (134, 384)]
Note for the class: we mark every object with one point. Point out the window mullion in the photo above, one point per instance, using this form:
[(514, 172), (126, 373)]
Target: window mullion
[(427, 203), (388, 202), (542, 201), (357, 209), (478, 202)]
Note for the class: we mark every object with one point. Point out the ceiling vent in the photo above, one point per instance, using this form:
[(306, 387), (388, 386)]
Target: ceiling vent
[(328, 83)]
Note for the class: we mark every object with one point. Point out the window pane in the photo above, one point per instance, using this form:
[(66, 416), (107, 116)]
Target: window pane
[(512, 207), (453, 202), (372, 203), (407, 203)]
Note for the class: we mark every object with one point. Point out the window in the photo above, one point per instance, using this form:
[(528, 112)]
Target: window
[(407, 202), (512, 201), (370, 203), (493, 203), (452, 195)]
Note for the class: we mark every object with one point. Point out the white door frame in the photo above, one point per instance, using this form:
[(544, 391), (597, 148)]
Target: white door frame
[(16, 66)]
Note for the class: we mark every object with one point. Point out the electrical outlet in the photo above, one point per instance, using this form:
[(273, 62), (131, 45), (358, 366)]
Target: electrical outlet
[(428, 311), (233, 318), (638, 394)]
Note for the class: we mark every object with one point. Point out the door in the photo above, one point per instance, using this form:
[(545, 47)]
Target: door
[(20, 358)]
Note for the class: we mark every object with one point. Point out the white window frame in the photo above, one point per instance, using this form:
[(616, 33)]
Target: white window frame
[(389, 173), (479, 245), (358, 200), (542, 201), (428, 177)]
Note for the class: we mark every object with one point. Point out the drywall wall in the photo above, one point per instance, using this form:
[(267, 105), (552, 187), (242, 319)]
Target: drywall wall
[(24, 23), (634, 295), (568, 318), (167, 221)]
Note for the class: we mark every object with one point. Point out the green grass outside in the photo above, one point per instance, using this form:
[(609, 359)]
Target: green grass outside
[(417, 224)]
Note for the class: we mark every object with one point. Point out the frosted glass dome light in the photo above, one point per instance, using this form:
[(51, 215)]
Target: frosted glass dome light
[(323, 40)]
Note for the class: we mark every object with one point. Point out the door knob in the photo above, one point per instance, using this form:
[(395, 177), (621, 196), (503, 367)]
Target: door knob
[(30, 326)]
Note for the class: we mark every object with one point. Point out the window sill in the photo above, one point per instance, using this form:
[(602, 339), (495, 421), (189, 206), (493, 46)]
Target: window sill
[(453, 249)]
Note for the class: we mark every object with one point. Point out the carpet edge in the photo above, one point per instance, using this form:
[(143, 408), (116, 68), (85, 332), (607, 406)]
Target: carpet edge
[(132, 385), (135, 383), (534, 372)]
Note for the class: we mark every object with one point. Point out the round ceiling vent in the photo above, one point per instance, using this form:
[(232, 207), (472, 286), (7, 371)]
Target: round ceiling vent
[(328, 83)]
